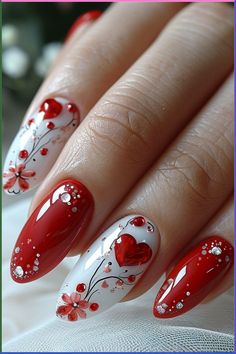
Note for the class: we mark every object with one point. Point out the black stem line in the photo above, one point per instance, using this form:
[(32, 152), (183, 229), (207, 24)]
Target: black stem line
[(88, 291), (43, 136), (111, 277), (36, 151), (92, 294)]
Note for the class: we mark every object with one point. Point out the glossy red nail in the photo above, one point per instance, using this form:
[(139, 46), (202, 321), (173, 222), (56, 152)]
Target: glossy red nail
[(193, 278), (87, 17), (51, 231)]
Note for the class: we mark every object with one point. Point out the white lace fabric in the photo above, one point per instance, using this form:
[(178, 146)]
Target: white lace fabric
[(29, 323)]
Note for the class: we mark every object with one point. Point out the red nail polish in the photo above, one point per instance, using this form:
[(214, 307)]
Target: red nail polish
[(194, 277), (51, 231), (87, 17)]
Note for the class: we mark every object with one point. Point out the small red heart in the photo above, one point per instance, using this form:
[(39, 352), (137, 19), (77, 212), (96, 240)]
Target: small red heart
[(104, 284), (51, 108), (130, 253)]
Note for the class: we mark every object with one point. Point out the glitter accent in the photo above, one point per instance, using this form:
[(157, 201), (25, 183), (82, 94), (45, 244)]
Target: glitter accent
[(216, 251), (17, 249), (187, 293), (74, 210), (37, 255), (65, 197), (19, 271), (226, 258), (179, 305), (162, 308), (36, 262), (35, 268), (204, 252)]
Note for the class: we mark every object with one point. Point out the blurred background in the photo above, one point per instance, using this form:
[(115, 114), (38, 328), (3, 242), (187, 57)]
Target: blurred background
[(32, 35)]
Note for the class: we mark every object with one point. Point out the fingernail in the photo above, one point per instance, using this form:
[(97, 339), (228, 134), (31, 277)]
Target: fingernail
[(87, 17), (52, 229), (38, 144), (109, 269), (194, 277)]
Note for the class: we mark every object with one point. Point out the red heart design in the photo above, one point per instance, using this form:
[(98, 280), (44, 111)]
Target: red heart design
[(51, 108), (130, 253)]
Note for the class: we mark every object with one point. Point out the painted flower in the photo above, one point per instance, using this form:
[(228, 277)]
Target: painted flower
[(17, 173), (74, 307)]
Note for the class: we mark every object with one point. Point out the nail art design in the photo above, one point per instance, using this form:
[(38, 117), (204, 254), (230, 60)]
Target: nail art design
[(51, 231), (87, 17), (109, 269), (38, 144), (194, 277)]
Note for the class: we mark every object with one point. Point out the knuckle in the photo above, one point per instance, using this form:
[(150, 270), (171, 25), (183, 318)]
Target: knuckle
[(120, 123), (203, 169)]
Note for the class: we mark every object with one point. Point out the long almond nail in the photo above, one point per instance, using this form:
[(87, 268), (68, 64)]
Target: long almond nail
[(38, 144), (51, 231), (89, 16), (109, 269), (194, 277)]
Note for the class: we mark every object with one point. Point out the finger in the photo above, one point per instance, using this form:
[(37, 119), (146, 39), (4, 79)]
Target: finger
[(190, 183), (124, 259), (87, 66), (131, 125), (203, 272), (101, 178)]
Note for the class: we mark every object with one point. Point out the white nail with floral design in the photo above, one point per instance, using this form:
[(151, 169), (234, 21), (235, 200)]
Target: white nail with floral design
[(38, 144), (109, 269)]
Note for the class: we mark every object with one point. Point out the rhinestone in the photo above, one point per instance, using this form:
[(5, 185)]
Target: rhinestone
[(74, 210), (187, 293), (17, 249), (36, 262), (65, 197), (226, 258), (37, 255), (35, 268), (19, 271), (216, 251), (179, 305), (204, 252)]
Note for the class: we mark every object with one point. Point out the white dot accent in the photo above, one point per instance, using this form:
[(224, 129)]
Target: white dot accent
[(17, 249)]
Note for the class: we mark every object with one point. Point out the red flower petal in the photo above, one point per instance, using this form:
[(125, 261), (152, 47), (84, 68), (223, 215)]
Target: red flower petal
[(83, 304), (23, 184), (28, 173), (66, 298), (8, 174), (75, 297), (73, 316), (12, 169), (20, 168), (64, 310), (10, 183), (81, 313)]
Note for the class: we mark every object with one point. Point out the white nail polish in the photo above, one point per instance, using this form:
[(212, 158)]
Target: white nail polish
[(109, 269), (38, 144)]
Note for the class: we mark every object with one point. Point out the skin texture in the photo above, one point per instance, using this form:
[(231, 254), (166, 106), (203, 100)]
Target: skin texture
[(155, 142)]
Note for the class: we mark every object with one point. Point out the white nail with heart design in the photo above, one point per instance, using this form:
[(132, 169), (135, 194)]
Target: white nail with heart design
[(38, 144), (109, 269)]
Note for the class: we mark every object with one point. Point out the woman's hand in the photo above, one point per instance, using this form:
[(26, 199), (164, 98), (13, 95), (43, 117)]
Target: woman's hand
[(156, 142)]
